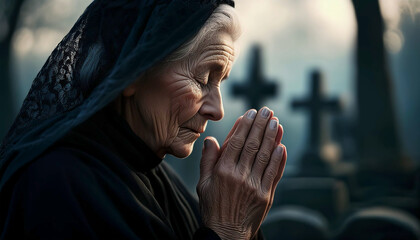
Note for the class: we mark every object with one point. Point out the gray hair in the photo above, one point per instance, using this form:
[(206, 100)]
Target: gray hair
[(223, 18), (90, 67)]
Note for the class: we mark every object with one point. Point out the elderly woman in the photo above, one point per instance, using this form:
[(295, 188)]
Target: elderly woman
[(132, 82)]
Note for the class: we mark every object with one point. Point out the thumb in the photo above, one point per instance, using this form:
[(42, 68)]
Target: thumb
[(209, 157)]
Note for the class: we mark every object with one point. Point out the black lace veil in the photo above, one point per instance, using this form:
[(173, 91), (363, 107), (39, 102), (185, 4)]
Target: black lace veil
[(135, 35)]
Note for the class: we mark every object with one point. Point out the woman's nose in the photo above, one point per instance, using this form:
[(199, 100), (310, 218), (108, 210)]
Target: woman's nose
[(212, 107)]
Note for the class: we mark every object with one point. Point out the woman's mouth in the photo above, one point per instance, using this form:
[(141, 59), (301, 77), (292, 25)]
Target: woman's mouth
[(189, 133), (197, 133)]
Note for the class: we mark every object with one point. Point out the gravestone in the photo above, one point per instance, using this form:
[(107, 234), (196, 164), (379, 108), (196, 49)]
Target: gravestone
[(325, 195), (295, 223), (256, 89), (314, 162), (379, 223)]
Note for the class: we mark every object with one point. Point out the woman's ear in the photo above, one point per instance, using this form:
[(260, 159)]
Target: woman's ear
[(130, 89)]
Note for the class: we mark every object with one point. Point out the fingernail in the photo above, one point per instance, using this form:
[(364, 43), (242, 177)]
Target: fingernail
[(280, 149), (273, 124), (265, 112), (206, 143), (251, 114)]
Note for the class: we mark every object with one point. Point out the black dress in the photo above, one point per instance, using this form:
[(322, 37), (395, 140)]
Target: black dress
[(102, 182)]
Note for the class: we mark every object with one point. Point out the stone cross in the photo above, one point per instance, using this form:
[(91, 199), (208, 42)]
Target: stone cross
[(316, 104), (256, 89), (313, 162)]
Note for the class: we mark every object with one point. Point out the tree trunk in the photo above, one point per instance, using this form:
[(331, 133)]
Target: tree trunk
[(379, 146)]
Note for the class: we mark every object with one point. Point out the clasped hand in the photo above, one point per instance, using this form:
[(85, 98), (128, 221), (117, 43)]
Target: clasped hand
[(238, 181)]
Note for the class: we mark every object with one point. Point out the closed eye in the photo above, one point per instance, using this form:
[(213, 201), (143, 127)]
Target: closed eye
[(203, 78)]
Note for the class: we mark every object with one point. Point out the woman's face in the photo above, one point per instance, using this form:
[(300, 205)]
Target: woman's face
[(170, 107)]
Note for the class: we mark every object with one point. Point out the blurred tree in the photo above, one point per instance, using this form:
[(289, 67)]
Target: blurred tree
[(379, 145), (9, 16)]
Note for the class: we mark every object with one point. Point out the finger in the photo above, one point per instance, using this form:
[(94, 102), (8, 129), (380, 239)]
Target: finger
[(280, 131), (236, 142), (230, 133), (265, 152), (277, 179), (254, 140), (279, 136), (279, 173), (209, 158), (233, 128), (273, 168), (281, 169)]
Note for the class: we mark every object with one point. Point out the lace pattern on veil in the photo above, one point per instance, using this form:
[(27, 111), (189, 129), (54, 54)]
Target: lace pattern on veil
[(55, 89)]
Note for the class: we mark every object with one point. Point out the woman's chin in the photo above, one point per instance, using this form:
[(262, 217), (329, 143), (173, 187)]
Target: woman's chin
[(183, 144), (182, 150)]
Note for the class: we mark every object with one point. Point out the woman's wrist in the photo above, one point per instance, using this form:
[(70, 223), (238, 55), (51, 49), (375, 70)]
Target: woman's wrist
[(227, 232)]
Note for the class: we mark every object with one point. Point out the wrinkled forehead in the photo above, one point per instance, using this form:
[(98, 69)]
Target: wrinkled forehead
[(218, 43), (217, 47)]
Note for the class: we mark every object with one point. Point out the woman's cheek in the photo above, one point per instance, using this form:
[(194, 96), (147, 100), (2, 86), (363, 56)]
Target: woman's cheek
[(188, 103)]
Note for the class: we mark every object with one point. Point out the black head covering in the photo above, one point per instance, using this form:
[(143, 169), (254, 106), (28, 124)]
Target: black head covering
[(135, 34)]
